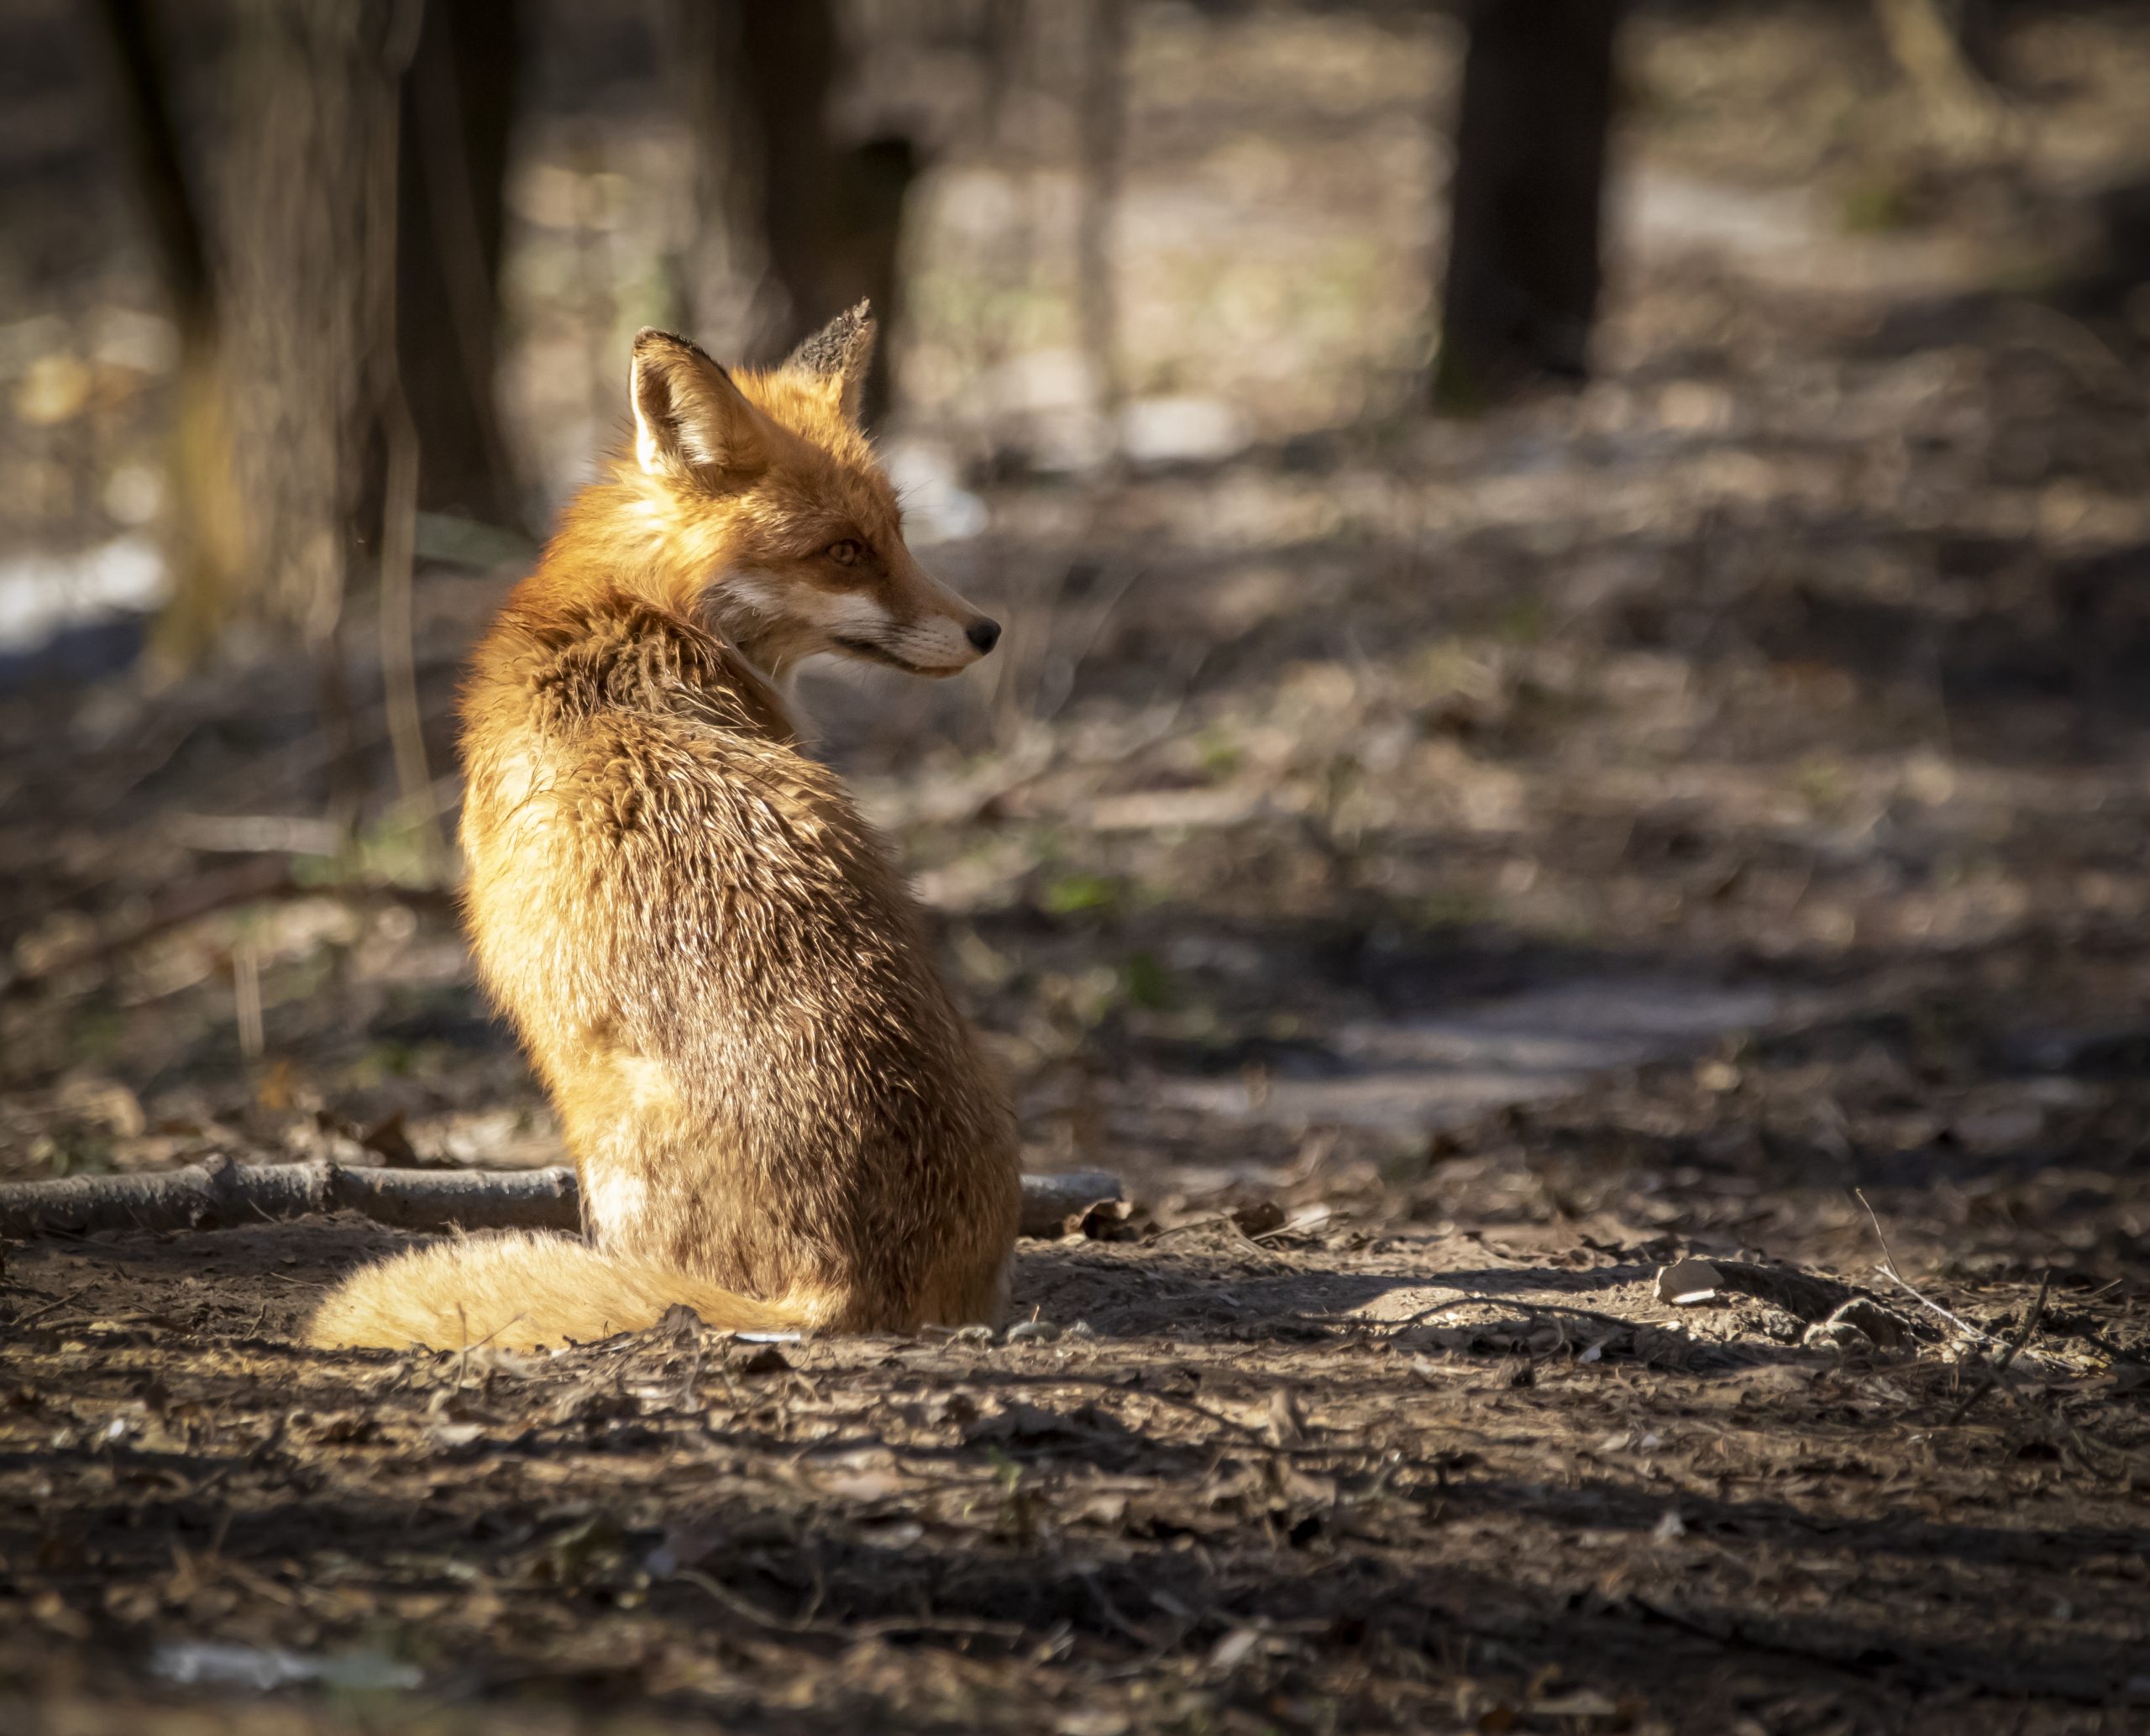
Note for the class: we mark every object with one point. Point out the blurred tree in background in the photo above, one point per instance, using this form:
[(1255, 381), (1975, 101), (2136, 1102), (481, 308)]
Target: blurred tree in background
[(1523, 273), (458, 104), (329, 218), (303, 208), (792, 225), (202, 539), (279, 226)]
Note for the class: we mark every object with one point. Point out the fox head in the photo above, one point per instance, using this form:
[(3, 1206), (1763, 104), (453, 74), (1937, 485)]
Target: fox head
[(775, 518)]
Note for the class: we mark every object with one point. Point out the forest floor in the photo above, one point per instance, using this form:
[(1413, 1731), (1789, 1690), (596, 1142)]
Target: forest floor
[(1452, 872)]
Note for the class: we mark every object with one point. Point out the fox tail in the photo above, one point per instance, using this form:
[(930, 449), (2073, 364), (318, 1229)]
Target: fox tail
[(522, 1291)]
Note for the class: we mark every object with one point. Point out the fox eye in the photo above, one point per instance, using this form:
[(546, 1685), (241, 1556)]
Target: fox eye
[(846, 553)]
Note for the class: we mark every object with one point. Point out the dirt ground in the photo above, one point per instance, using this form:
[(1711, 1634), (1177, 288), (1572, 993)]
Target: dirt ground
[(1452, 872)]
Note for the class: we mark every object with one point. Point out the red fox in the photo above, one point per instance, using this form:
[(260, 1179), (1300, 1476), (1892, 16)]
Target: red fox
[(778, 1116)]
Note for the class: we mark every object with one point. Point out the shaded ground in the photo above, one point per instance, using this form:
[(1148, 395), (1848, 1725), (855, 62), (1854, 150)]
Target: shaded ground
[(1450, 872), (1224, 1501)]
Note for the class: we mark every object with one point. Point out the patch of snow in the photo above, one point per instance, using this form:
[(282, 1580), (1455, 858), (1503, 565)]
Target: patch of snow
[(43, 595)]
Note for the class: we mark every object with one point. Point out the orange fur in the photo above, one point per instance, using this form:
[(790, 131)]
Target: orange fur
[(778, 1115)]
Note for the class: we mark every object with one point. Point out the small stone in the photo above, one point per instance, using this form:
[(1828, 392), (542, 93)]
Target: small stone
[(1686, 1283)]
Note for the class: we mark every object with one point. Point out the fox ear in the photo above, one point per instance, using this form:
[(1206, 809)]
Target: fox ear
[(837, 358), (691, 422)]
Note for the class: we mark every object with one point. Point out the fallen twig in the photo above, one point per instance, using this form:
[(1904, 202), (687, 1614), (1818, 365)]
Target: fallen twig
[(1556, 1308), (969, 1626), (1887, 1268), (57, 1301), (222, 1191), (1998, 1371)]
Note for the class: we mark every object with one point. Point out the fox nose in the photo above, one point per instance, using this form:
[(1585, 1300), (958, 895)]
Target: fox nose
[(984, 634)]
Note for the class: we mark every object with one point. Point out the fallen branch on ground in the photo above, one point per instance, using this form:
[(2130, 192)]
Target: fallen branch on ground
[(221, 1193)]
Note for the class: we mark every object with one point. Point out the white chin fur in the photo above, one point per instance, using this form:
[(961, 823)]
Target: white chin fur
[(937, 644), (837, 617)]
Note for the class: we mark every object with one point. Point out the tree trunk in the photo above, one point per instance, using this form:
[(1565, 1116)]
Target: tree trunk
[(201, 534), (1530, 139), (307, 247), (789, 53), (1102, 120), (459, 105), (338, 223), (792, 227), (728, 297)]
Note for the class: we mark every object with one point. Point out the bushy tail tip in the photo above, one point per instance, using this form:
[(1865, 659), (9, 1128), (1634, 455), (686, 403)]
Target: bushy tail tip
[(522, 1292)]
